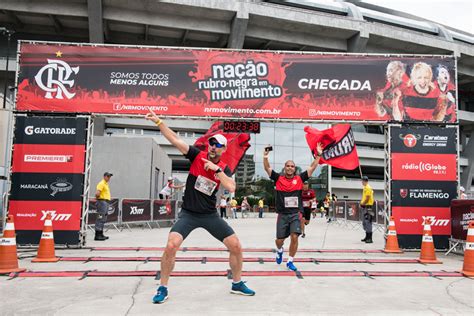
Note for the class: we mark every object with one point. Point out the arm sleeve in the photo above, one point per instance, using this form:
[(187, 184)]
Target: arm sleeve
[(274, 176), (192, 153), (100, 186), (304, 176), (227, 171)]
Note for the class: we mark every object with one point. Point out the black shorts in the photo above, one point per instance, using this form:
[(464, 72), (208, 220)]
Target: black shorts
[(213, 223), (306, 213), (288, 224)]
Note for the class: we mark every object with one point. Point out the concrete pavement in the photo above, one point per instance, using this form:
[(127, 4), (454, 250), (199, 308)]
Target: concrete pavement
[(279, 295)]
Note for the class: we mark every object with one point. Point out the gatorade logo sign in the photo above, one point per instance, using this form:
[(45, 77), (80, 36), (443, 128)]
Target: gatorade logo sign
[(47, 130)]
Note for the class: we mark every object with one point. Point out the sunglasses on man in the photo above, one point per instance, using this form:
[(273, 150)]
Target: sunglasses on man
[(215, 143)]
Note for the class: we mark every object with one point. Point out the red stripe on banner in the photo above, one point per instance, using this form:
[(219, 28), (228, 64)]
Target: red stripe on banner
[(30, 215), (48, 158), (426, 167), (409, 220)]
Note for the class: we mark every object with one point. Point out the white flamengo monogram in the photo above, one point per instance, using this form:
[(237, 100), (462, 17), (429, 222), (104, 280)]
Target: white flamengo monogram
[(56, 84)]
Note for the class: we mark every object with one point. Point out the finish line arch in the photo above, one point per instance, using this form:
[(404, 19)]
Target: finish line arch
[(85, 80)]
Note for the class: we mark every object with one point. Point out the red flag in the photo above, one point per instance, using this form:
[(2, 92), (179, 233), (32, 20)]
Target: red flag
[(237, 144), (339, 148)]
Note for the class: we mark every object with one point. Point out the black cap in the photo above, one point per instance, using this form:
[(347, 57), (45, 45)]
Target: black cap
[(108, 174), (365, 178)]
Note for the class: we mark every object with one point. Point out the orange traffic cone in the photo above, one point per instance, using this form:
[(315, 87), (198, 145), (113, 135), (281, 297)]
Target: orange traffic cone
[(468, 267), (427, 254), (392, 241), (46, 246), (8, 256)]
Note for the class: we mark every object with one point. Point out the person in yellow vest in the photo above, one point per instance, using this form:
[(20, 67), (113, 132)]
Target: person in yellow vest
[(366, 205), (233, 206), (103, 200), (260, 207)]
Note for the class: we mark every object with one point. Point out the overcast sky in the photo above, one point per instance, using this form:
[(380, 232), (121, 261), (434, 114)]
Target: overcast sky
[(455, 13)]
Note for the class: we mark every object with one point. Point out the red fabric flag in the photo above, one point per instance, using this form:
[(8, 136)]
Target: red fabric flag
[(339, 149), (237, 144)]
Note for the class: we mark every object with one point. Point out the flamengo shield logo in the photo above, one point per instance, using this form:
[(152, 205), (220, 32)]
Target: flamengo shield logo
[(403, 193), (410, 140), (56, 79)]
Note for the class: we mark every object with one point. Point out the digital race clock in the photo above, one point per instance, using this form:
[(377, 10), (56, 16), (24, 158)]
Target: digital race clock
[(241, 127)]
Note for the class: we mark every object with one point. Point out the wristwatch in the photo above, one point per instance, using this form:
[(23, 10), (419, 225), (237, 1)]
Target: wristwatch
[(218, 170)]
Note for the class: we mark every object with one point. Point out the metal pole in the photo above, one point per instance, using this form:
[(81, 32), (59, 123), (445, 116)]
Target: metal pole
[(8, 33)]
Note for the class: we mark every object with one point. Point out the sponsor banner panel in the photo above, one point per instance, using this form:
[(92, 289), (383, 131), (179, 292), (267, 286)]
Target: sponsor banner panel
[(380, 215), (427, 167), (46, 187), (164, 210), (339, 207), (353, 211), (112, 214), (462, 211), (33, 237), (409, 220), (136, 210), (423, 193), (218, 83), (30, 215), (439, 140), (414, 241), (47, 158), (50, 130)]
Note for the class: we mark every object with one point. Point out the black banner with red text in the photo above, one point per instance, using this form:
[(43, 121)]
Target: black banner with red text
[(224, 83)]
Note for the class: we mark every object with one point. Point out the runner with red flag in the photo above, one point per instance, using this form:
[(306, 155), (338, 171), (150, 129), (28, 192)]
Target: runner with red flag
[(237, 145), (338, 143)]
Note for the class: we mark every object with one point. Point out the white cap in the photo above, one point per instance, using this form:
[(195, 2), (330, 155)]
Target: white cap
[(170, 178), (220, 139), (462, 189)]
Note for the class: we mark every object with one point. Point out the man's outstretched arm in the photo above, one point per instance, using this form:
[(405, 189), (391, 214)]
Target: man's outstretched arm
[(169, 134), (266, 163), (314, 164)]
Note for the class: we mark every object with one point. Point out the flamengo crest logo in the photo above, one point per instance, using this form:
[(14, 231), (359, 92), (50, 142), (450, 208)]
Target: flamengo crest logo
[(57, 78), (403, 193)]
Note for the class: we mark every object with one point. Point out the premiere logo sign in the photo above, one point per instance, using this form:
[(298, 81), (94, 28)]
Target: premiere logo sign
[(48, 158)]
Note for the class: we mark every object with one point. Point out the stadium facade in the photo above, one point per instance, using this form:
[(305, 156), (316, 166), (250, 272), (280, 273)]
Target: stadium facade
[(307, 26)]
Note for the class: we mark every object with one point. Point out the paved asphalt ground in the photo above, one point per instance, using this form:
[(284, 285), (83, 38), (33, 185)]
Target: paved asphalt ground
[(276, 295)]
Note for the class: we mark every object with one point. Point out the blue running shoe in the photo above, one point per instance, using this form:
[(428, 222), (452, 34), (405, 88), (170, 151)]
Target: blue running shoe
[(242, 289), (161, 295), (291, 266), (279, 257)]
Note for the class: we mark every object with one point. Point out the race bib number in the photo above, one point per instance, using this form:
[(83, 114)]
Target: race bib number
[(205, 185), (305, 203), (291, 202)]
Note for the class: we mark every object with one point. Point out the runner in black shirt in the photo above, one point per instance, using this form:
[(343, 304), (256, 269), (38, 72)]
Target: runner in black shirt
[(289, 204), (199, 206)]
